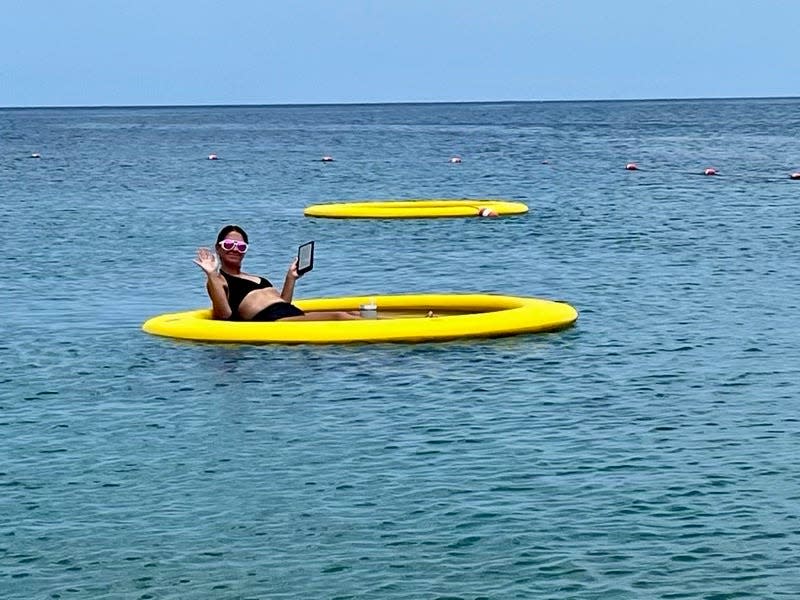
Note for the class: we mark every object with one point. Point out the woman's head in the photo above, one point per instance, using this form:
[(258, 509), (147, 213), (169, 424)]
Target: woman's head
[(231, 245), (223, 233)]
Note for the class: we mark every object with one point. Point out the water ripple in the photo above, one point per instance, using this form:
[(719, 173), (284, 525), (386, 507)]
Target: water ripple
[(645, 453)]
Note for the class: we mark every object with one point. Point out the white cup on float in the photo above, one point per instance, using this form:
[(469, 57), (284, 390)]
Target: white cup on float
[(369, 310)]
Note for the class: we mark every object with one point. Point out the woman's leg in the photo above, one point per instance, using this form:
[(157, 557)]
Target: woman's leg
[(325, 315)]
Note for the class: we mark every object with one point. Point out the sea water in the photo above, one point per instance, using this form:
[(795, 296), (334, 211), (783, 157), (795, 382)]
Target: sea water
[(648, 452)]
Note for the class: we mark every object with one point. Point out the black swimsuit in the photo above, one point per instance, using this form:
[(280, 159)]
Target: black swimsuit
[(239, 287), (278, 310)]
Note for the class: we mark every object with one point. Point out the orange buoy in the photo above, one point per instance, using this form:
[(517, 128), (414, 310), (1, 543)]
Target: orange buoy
[(213, 157), (456, 160), (794, 176), (710, 171), (631, 167)]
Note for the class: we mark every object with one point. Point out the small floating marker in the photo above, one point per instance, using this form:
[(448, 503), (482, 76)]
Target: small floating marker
[(456, 160), (327, 158), (486, 212), (710, 171), (213, 157), (36, 155), (631, 167), (545, 162), (794, 176)]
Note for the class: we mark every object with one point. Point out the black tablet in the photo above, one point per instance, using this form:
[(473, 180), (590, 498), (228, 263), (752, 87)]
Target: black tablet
[(305, 258)]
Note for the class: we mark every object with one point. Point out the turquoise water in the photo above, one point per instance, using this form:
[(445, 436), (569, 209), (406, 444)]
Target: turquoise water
[(647, 452)]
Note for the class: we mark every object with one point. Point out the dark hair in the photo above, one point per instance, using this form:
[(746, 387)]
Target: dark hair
[(227, 229)]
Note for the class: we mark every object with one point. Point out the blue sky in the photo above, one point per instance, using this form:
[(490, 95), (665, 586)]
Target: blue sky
[(147, 52)]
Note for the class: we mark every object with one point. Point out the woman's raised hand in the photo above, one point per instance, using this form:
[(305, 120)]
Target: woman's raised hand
[(206, 260)]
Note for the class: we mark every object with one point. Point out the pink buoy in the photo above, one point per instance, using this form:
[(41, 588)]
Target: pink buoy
[(213, 157), (631, 167), (456, 160), (327, 158), (710, 171), (794, 176)]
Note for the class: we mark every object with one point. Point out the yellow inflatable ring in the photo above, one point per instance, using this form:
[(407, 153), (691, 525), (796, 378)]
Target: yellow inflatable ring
[(456, 316), (412, 209)]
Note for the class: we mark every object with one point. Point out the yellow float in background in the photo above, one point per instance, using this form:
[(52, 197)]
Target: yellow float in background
[(402, 319), (413, 209)]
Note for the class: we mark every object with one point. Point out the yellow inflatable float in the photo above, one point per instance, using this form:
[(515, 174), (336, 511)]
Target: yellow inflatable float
[(401, 318), (412, 209)]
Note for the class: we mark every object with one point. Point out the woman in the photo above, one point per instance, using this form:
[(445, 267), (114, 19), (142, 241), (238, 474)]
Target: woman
[(240, 296)]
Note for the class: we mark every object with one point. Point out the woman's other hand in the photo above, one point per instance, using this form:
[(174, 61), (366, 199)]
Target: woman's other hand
[(292, 272), (207, 261)]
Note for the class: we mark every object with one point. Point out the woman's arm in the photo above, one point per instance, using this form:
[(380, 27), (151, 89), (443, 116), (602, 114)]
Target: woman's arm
[(288, 284), (215, 285)]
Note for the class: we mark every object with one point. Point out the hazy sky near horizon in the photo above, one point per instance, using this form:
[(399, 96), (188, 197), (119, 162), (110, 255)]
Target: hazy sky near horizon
[(166, 52)]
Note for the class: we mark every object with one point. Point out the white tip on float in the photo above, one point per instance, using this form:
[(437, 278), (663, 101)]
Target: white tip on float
[(794, 176), (327, 158), (36, 155), (710, 171), (456, 160), (213, 157), (486, 212), (631, 167)]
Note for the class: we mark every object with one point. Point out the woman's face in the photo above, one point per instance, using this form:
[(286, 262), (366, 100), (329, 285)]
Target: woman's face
[(231, 249)]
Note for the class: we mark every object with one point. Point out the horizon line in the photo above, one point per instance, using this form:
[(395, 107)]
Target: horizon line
[(388, 103)]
